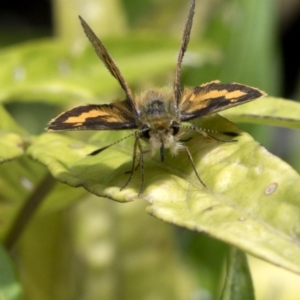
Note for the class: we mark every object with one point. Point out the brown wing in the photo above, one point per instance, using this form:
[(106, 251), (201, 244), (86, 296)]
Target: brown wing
[(108, 61), (113, 116), (213, 96)]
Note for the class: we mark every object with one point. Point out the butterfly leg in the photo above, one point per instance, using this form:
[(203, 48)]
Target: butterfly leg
[(137, 160), (193, 165)]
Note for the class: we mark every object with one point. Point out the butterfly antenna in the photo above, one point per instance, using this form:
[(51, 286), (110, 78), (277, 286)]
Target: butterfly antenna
[(112, 144), (195, 128), (208, 132), (108, 61), (182, 50)]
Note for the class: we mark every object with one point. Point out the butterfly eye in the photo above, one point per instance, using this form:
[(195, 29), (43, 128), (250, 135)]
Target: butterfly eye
[(145, 131), (175, 126)]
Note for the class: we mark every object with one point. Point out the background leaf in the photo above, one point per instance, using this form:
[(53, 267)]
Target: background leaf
[(48, 70), (238, 283), (10, 288), (11, 137), (267, 111)]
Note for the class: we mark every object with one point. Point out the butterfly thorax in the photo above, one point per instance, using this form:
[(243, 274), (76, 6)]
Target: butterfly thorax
[(158, 120), (156, 105)]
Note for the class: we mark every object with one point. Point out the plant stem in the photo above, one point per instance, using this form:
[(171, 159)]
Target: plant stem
[(29, 208)]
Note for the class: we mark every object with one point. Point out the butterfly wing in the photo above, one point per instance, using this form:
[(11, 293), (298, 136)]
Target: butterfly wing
[(113, 116), (214, 96), (108, 61)]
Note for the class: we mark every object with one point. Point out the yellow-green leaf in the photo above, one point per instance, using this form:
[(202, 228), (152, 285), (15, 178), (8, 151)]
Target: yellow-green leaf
[(251, 199)]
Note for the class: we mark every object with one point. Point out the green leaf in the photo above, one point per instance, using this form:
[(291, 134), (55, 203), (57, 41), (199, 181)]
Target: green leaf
[(10, 288), (11, 137), (18, 180), (250, 200), (238, 282), (48, 70), (244, 45), (206, 255), (267, 111), (27, 189), (7, 122), (10, 146)]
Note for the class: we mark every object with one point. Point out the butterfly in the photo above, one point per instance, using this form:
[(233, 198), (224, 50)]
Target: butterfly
[(155, 114)]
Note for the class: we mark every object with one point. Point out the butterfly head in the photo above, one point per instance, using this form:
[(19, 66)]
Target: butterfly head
[(161, 136)]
